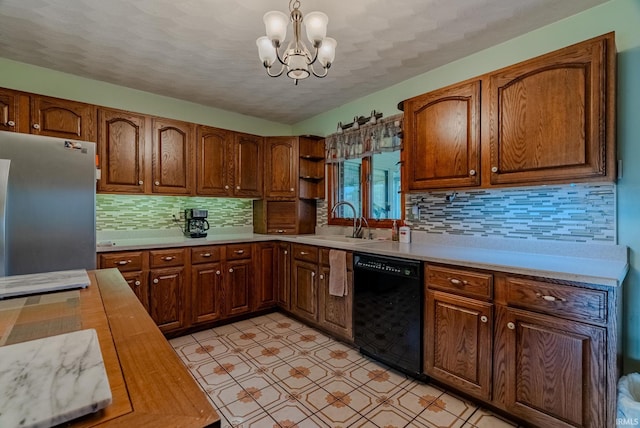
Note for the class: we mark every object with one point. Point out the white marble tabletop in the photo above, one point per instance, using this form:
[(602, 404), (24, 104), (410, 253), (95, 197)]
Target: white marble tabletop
[(35, 283), (46, 382)]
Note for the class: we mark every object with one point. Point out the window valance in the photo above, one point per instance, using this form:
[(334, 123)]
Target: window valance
[(383, 136)]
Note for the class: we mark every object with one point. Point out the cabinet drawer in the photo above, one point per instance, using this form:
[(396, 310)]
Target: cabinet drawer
[(307, 253), (166, 258), (205, 254), (555, 299), (281, 230), (238, 251), (460, 281), (125, 262), (324, 258)]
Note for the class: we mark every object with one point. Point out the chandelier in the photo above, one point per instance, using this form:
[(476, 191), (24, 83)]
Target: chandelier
[(296, 58)]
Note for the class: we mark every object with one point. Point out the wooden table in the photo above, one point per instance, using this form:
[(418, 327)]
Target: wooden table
[(150, 385)]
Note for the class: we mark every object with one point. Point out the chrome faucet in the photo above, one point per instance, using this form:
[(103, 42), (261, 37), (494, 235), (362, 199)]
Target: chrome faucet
[(359, 230), (349, 204)]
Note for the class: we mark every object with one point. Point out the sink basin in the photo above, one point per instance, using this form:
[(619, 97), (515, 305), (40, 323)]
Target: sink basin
[(335, 238)]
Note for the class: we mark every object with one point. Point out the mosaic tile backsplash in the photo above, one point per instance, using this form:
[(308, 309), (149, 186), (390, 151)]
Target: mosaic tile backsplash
[(132, 212), (570, 213)]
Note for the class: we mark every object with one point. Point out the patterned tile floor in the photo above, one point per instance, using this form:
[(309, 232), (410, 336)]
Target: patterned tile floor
[(272, 371)]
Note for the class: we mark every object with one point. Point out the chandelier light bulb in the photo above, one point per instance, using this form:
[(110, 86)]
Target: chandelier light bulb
[(276, 25), (316, 25), (327, 52), (266, 51)]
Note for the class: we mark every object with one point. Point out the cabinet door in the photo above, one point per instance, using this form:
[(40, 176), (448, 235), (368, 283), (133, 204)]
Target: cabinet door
[(458, 342), (550, 118), (62, 118), (281, 167), (304, 290), (264, 289), (206, 283), (121, 145), (166, 294), (247, 165), (336, 312), (140, 286), (172, 152), (442, 138), (283, 275), (554, 369), (214, 162), (238, 279), (9, 105)]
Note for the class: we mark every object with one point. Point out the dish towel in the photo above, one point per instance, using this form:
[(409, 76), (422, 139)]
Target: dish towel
[(337, 273)]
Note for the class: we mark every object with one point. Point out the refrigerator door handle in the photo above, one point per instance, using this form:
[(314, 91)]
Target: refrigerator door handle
[(4, 187)]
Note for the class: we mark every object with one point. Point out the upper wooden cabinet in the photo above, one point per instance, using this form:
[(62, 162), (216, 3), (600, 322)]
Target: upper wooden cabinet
[(9, 105), (552, 118), (214, 161), (172, 152), (247, 166), (53, 117), (121, 146), (281, 167), (442, 137)]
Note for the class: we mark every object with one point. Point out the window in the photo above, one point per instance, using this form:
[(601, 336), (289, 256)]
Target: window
[(367, 178)]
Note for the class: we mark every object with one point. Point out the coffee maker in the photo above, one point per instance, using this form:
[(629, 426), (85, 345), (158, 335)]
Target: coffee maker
[(195, 223)]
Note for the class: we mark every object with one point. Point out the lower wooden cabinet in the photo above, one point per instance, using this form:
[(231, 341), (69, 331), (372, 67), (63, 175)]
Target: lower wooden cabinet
[(265, 293), (283, 275), (335, 313), (238, 278), (458, 342), (138, 281), (206, 296), (167, 297), (304, 290)]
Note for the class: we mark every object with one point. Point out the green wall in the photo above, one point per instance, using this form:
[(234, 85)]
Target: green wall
[(29, 78), (621, 16)]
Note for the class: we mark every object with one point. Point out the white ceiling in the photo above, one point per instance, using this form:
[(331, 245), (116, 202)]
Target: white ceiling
[(204, 50)]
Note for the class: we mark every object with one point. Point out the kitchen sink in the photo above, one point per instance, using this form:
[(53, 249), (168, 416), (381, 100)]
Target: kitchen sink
[(338, 238)]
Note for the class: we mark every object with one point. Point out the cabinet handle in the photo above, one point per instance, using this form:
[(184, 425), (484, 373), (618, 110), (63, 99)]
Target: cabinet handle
[(494, 169), (205, 254), (550, 298), (157, 183), (168, 258), (11, 123), (456, 281), (280, 231), (472, 172), (303, 253), (511, 326), (123, 262), (137, 283), (239, 251), (155, 281), (36, 126), (218, 272), (484, 318), (141, 182)]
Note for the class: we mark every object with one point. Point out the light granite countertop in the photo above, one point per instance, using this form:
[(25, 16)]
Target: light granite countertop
[(603, 264)]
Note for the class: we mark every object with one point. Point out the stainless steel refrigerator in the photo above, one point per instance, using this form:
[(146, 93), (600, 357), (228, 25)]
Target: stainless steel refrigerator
[(47, 204)]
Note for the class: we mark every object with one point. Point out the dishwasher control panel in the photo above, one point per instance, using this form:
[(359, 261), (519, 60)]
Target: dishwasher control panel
[(388, 265)]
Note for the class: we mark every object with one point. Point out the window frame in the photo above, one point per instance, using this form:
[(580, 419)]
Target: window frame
[(366, 183)]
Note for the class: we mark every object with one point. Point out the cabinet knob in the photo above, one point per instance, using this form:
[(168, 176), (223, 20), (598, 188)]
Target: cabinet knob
[(36, 126), (11, 123), (141, 182), (231, 270), (206, 255), (218, 272), (291, 190), (494, 169), (239, 251), (321, 276), (226, 187), (157, 183), (237, 187), (168, 258), (472, 172), (313, 274), (286, 252), (137, 283), (511, 326), (155, 281), (484, 319)]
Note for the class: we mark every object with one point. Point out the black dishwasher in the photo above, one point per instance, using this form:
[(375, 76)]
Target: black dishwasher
[(387, 310)]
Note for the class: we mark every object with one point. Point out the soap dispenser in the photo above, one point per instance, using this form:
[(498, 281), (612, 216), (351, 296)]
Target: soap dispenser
[(394, 231)]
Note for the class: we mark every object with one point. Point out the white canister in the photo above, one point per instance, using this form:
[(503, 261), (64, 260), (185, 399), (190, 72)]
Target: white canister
[(405, 234)]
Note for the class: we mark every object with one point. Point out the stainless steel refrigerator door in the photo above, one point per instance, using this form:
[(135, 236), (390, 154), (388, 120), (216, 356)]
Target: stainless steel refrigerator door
[(4, 181), (50, 204)]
